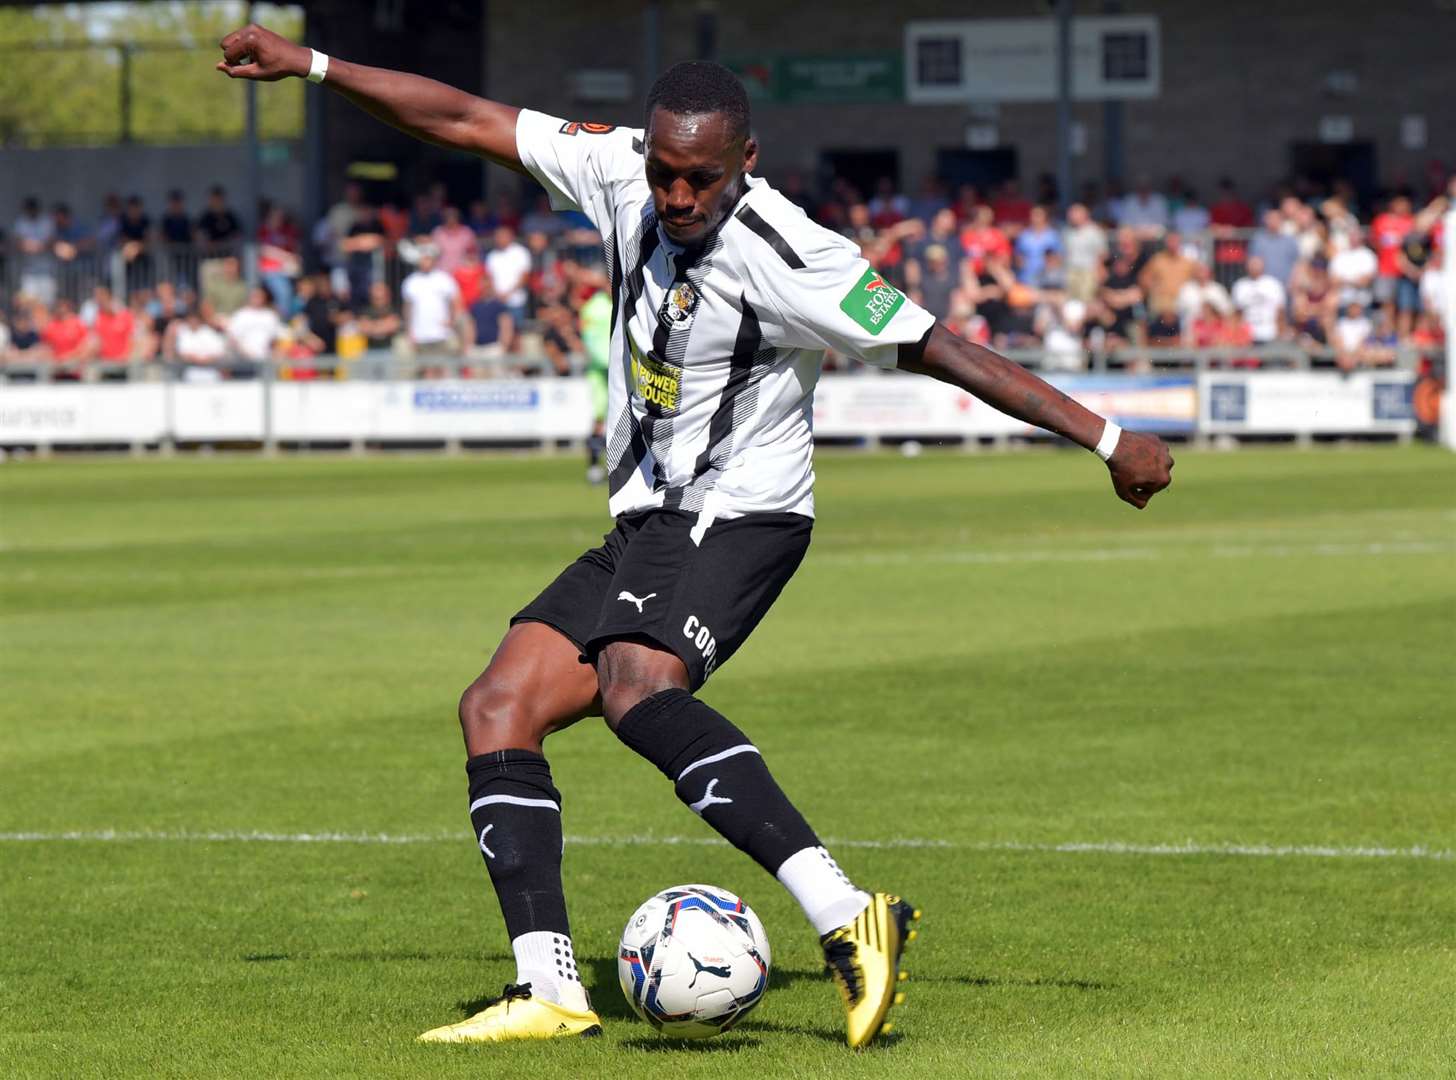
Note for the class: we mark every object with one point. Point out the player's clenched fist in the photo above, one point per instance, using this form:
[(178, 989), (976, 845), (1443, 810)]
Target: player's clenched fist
[(1141, 466), (256, 53)]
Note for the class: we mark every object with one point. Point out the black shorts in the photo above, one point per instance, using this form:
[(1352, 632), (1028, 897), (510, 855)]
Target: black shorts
[(650, 581)]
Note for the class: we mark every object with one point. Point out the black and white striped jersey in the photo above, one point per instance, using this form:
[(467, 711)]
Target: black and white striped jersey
[(715, 350)]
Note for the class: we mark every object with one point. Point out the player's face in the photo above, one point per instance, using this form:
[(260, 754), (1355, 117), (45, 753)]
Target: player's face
[(695, 168)]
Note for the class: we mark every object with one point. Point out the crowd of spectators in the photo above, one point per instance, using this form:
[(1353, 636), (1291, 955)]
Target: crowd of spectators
[(496, 286)]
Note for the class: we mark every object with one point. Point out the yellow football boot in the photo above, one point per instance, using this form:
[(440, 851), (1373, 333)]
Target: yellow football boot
[(863, 958), (517, 1015)]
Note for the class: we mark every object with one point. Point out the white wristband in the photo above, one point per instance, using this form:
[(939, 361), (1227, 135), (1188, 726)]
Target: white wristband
[(1108, 443), (318, 67)]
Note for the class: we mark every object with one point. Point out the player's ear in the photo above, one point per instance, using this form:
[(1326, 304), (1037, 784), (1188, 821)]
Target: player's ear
[(750, 154)]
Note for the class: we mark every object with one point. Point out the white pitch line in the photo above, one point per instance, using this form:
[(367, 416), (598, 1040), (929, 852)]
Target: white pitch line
[(1141, 554), (1072, 847)]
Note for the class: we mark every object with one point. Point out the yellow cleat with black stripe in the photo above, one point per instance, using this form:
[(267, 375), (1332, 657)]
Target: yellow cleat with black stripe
[(863, 958), (517, 1015)]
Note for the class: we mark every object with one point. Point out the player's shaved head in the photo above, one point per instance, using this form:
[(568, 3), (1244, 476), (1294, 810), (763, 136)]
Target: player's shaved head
[(697, 148), (700, 87)]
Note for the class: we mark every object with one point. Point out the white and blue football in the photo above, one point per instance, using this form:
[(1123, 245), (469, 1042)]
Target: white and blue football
[(693, 961)]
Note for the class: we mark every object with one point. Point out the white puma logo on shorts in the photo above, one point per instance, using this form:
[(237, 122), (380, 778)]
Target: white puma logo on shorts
[(625, 595)]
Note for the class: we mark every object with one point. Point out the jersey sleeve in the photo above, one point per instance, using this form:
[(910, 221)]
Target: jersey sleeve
[(579, 165), (836, 300)]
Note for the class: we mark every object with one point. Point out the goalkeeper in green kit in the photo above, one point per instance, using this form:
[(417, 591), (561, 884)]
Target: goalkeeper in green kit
[(596, 340)]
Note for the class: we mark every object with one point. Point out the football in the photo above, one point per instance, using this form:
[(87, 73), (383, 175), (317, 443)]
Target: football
[(693, 961)]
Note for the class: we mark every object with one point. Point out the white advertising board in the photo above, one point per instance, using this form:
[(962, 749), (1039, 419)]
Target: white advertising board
[(952, 61), (75, 413), (1305, 403), (505, 409)]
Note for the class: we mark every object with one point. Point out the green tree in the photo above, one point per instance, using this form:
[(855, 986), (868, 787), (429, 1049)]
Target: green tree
[(71, 74)]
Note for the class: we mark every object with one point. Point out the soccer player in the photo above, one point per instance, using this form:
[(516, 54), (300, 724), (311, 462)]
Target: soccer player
[(726, 298)]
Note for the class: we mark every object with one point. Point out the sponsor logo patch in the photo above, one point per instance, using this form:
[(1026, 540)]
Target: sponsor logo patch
[(657, 383), (571, 127), (872, 302)]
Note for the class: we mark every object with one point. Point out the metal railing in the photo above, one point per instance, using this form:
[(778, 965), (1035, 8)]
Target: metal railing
[(380, 365)]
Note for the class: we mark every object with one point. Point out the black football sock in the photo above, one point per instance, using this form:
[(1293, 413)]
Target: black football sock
[(515, 813), (719, 774)]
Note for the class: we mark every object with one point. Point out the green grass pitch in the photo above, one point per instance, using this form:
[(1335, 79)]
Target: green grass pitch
[(1242, 699)]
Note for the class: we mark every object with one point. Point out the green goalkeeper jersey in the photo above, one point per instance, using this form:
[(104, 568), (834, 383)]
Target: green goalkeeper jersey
[(596, 330)]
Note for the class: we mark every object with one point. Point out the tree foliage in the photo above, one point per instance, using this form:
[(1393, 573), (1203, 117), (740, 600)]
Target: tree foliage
[(98, 74)]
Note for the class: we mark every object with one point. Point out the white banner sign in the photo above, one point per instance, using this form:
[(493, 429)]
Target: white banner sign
[(1305, 402), (953, 61)]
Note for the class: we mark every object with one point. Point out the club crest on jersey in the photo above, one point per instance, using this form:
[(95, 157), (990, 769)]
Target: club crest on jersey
[(680, 304)]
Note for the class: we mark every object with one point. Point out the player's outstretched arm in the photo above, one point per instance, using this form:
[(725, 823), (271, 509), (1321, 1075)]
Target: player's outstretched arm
[(1141, 465), (421, 107)]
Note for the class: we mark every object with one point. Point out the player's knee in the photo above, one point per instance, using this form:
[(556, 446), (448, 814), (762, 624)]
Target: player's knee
[(629, 674), (494, 717)]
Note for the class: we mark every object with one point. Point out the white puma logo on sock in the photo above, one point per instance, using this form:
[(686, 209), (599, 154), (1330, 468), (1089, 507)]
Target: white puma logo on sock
[(625, 595), (708, 799), (488, 853)]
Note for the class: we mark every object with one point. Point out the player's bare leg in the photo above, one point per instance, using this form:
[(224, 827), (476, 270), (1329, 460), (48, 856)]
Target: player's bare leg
[(534, 685), (722, 778)]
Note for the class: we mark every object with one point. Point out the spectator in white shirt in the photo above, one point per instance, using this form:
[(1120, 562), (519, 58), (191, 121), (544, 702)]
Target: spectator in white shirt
[(1197, 291), (1353, 270), (431, 306), (1352, 332), (197, 346), (254, 328), (509, 265), (1260, 298)]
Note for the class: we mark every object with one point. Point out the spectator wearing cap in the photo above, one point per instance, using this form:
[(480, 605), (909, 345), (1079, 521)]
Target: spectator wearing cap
[(932, 280), (1192, 217)]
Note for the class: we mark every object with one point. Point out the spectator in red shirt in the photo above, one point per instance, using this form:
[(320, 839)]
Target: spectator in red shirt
[(114, 327), (1387, 235), (470, 276), (982, 238), (1013, 209), (65, 335), (1228, 210)]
